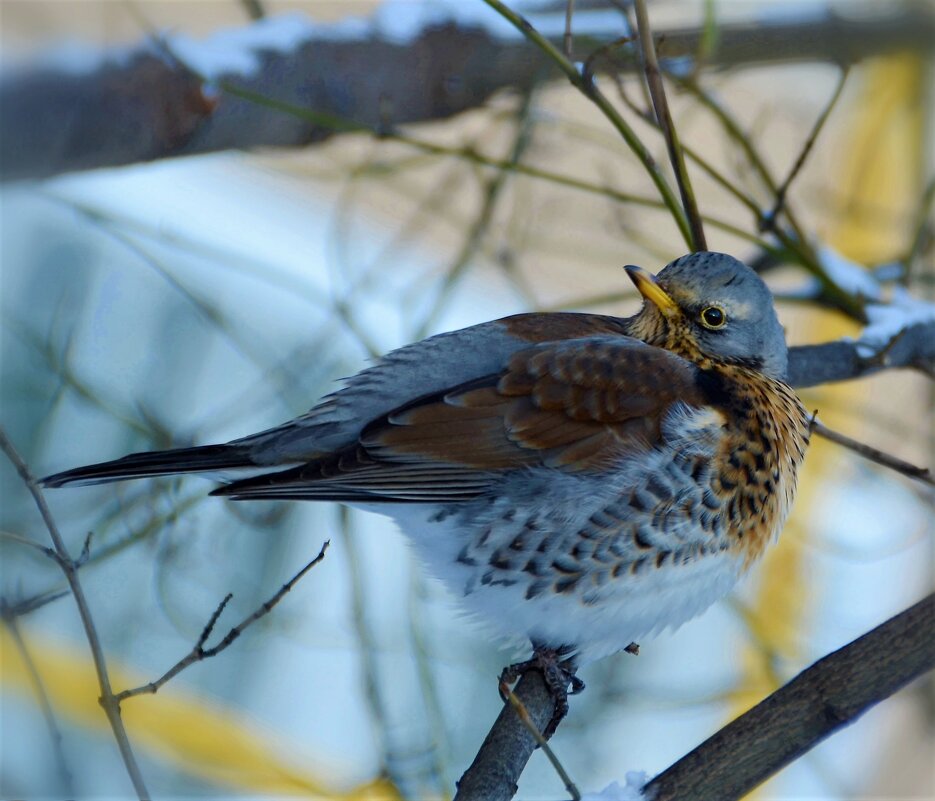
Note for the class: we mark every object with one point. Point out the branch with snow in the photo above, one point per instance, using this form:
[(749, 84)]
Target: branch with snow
[(81, 109), (899, 332)]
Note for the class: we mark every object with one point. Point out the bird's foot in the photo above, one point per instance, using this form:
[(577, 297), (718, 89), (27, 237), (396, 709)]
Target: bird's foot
[(558, 672)]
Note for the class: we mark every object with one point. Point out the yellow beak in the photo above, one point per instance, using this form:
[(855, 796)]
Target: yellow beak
[(649, 288)]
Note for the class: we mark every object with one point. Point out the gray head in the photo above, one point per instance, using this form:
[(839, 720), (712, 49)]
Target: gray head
[(717, 303)]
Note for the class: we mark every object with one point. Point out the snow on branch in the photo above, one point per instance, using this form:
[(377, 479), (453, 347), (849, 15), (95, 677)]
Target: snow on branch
[(899, 332), (81, 109)]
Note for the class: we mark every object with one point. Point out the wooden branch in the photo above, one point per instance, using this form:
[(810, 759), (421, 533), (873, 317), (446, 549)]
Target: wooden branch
[(843, 360), (504, 753), (822, 699), (830, 694), (143, 106)]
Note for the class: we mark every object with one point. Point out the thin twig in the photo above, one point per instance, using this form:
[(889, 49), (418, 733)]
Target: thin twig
[(70, 569), (924, 231), (768, 222), (922, 474), (481, 225), (567, 40), (34, 602), (797, 242), (9, 613), (588, 87), (657, 92), (473, 156), (524, 716), (199, 652), (45, 550)]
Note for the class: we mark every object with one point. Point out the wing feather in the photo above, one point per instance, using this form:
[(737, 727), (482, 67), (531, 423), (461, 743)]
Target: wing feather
[(574, 405)]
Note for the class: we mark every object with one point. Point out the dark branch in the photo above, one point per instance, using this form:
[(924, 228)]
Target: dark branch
[(830, 694), (843, 360), (146, 107), (823, 698), (496, 769), (922, 474)]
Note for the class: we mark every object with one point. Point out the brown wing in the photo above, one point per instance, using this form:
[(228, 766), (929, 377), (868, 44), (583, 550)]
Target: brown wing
[(577, 405)]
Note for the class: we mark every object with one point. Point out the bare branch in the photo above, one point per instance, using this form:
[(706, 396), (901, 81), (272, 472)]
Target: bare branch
[(922, 474), (199, 652), (70, 569), (830, 694), (768, 220), (541, 742), (496, 769)]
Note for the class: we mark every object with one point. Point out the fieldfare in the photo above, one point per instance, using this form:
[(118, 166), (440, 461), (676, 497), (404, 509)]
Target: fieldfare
[(579, 480)]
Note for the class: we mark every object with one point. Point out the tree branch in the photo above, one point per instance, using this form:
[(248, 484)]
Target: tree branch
[(823, 698), (830, 694), (843, 360), (505, 751), (199, 652), (666, 124), (140, 106), (70, 569)]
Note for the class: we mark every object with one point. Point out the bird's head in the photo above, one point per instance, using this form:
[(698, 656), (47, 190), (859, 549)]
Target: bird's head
[(709, 306)]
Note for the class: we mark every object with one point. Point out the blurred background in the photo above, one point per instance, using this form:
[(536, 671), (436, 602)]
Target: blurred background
[(199, 299)]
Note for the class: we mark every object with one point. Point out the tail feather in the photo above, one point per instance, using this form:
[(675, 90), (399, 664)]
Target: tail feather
[(156, 463)]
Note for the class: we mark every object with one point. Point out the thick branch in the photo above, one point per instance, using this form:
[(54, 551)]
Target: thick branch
[(830, 694), (842, 360), (506, 750), (823, 698), (143, 106)]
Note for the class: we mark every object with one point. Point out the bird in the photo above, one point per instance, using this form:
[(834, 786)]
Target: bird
[(578, 481)]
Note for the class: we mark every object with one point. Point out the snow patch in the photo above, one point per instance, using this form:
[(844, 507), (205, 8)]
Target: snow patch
[(886, 321), (238, 50), (631, 790), (851, 277)]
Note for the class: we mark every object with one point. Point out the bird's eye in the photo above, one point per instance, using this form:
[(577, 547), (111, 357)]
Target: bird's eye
[(713, 317)]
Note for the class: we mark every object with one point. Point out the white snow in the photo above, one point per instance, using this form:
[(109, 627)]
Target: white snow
[(631, 790), (887, 320), (237, 50), (851, 277)]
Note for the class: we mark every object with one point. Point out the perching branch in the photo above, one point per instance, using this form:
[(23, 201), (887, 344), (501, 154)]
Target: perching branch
[(199, 652), (69, 567), (822, 699), (496, 769)]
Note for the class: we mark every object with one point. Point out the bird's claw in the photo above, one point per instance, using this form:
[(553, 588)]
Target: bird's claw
[(558, 674)]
